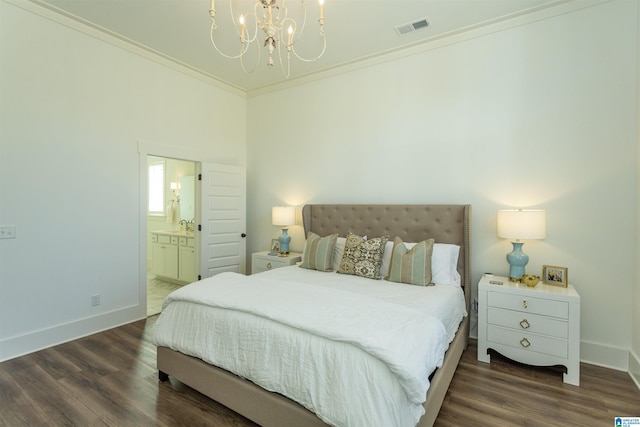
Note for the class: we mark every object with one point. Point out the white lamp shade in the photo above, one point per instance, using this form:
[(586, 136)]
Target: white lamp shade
[(283, 215), (522, 224)]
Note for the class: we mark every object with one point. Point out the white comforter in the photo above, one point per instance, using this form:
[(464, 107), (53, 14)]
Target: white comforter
[(358, 355)]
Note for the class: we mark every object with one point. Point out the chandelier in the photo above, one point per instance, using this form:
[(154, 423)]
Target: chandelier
[(280, 32)]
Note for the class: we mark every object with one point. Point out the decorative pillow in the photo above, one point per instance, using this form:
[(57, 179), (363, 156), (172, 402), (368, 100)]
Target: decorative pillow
[(444, 262), (362, 257), (411, 266), (318, 252)]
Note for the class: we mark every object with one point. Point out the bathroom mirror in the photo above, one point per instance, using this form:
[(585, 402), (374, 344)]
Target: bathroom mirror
[(187, 197)]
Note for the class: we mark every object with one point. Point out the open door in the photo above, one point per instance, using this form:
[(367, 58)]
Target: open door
[(223, 219)]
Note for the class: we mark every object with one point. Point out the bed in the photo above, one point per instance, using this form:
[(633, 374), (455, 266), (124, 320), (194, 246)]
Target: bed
[(446, 224)]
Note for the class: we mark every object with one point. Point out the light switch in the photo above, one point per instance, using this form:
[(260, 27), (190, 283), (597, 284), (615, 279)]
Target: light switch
[(7, 231)]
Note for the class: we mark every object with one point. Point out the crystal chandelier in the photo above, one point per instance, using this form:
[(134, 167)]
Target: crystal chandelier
[(280, 32)]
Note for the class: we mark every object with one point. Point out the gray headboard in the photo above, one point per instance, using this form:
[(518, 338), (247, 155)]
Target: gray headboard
[(412, 223)]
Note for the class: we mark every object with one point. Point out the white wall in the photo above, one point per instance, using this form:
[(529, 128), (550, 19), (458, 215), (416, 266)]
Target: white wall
[(73, 109), (540, 115), (634, 356)]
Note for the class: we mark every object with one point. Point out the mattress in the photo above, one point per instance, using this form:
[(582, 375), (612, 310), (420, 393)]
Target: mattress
[(354, 351)]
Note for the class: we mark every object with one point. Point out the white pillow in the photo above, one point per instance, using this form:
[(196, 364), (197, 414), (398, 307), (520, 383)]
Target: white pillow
[(338, 251), (444, 262), (386, 258)]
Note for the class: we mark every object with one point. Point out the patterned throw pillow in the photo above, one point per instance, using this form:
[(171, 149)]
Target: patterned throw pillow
[(318, 252), (362, 257), (411, 266)]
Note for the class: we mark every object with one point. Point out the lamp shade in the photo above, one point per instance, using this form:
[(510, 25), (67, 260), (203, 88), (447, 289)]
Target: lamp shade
[(522, 224), (283, 215)]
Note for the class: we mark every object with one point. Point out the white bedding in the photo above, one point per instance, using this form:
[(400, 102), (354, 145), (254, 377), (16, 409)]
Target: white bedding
[(362, 359)]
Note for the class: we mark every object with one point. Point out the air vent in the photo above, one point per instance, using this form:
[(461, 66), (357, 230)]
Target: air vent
[(412, 26)]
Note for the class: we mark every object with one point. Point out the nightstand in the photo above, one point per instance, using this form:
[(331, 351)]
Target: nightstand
[(262, 261), (538, 326)]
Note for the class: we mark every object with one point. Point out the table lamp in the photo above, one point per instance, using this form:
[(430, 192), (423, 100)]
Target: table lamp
[(517, 224), (283, 216)]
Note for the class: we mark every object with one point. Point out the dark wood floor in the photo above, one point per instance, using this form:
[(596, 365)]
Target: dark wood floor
[(109, 379)]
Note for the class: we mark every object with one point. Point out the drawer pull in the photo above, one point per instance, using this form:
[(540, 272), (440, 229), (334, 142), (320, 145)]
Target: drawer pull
[(268, 266), (525, 342), (525, 304), (524, 323)]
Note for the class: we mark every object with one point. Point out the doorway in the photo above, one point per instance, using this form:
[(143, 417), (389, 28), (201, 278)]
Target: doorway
[(172, 253), (219, 210)]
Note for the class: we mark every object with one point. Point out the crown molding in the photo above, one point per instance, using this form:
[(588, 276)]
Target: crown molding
[(90, 29), (561, 7)]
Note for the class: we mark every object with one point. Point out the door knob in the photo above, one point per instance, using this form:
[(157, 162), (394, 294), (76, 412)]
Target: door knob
[(243, 235)]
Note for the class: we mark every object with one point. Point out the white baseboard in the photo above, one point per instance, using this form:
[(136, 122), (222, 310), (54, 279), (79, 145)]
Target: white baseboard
[(634, 368), (31, 342), (605, 356)]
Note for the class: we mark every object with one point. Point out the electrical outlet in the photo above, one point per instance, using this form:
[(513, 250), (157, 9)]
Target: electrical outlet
[(95, 299), (7, 231)]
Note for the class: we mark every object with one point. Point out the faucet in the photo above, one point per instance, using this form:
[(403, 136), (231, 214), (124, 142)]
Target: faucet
[(184, 224)]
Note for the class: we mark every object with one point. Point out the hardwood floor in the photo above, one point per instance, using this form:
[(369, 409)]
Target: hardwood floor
[(110, 379)]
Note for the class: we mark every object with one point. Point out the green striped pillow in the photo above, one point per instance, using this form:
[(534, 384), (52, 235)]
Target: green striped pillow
[(318, 252), (411, 266)]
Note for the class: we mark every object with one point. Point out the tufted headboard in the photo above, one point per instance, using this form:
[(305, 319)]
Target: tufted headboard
[(412, 223)]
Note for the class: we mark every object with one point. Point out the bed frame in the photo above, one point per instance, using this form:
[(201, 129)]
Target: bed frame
[(412, 223)]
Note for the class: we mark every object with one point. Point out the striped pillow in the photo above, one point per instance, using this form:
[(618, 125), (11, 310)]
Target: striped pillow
[(411, 266), (318, 252)]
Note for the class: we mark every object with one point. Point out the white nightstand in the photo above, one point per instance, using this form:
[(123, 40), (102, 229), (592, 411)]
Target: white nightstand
[(537, 326), (262, 261)]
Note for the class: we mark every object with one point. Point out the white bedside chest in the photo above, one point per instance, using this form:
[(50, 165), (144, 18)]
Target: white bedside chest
[(262, 261), (537, 326)]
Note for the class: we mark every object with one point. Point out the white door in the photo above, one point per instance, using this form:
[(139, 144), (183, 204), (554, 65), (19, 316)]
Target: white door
[(223, 219)]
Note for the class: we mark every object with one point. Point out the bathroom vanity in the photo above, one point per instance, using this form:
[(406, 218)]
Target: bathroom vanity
[(173, 256)]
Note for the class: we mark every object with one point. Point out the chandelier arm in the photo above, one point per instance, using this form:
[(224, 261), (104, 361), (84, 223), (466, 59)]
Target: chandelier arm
[(235, 25), (304, 22), (254, 67), (243, 47), (324, 47)]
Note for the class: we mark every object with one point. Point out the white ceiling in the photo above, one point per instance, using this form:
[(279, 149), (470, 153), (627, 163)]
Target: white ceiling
[(355, 29)]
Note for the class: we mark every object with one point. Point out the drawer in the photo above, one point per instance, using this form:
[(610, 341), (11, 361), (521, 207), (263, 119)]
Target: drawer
[(174, 240), (264, 264), (187, 241), (528, 322), (163, 239), (154, 238), (526, 304), (527, 341)]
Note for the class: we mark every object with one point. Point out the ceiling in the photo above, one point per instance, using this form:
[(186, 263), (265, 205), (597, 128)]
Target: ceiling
[(355, 29)]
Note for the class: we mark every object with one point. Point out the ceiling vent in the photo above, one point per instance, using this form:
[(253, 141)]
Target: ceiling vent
[(412, 26)]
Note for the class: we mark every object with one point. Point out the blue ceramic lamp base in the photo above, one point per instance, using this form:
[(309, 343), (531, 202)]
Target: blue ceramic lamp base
[(517, 261), (284, 240)]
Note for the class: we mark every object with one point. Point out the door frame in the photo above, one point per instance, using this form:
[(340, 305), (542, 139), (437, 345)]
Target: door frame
[(147, 148)]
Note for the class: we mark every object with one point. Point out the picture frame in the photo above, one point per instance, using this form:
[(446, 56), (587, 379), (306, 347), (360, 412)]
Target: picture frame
[(554, 275), (275, 246)]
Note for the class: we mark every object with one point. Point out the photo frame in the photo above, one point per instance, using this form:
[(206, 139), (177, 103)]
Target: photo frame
[(554, 275), (275, 246)]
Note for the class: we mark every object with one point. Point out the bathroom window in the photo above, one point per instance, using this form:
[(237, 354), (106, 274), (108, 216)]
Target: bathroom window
[(156, 188)]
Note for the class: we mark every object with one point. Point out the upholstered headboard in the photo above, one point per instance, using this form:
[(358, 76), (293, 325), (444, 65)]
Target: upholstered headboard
[(412, 223)]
